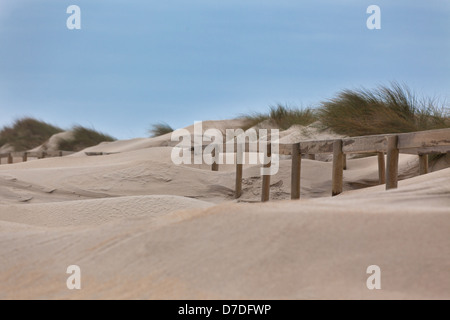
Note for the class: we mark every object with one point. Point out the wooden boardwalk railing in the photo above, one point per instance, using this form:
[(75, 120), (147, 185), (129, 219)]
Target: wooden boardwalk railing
[(25, 156), (420, 143)]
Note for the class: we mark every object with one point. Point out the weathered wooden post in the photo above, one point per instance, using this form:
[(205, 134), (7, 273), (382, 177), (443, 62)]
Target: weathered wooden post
[(392, 163), (311, 156), (381, 168), (295, 171), (423, 164), (25, 157), (10, 158), (60, 153), (265, 194), (44, 155), (215, 163), (338, 168), (344, 163), (239, 164)]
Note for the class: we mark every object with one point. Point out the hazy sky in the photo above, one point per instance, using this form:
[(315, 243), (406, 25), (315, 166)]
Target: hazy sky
[(134, 63)]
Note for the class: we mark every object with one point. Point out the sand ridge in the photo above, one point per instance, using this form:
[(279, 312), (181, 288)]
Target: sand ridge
[(140, 227), (289, 249)]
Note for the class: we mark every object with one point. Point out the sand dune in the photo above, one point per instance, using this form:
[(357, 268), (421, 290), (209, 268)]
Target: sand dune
[(141, 227), (301, 249), (150, 171), (161, 141), (97, 211)]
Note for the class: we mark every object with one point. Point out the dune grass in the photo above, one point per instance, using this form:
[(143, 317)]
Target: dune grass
[(282, 116), (83, 138), (159, 129), (393, 109), (27, 133), (386, 109)]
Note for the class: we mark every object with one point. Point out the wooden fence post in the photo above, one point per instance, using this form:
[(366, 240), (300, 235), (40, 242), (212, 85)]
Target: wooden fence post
[(295, 171), (311, 156), (392, 163), (423, 164), (25, 157), (215, 164), (265, 194), (239, 164), (381, 168), (344, 159), (60, 153), (10, 158), (338, 168), (44, 155)]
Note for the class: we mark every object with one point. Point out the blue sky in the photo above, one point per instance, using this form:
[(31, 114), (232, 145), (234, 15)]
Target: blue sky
[(135, 63)]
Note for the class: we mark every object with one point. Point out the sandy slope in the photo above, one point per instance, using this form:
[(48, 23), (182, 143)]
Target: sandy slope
[(162, 141), (151, 171), (97, 211), (141, 227), (302, 249)]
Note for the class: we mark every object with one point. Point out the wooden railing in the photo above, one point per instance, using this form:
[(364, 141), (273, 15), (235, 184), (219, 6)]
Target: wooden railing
[(421, 143), (10, 156)]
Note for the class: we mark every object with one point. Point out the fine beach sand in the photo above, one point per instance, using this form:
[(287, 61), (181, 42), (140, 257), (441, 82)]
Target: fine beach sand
[(141, 227)]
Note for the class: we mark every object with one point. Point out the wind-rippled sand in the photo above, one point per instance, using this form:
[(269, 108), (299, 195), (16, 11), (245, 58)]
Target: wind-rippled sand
[(140, 227)]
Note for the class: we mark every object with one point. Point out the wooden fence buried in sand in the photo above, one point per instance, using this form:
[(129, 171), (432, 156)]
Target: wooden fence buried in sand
[(25, 156), (421, 143)]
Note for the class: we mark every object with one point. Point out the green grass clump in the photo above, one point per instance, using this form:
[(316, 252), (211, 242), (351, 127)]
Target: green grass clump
[(27, 133), (393, 109), (83, 138), (159, 129), (283, 117)]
